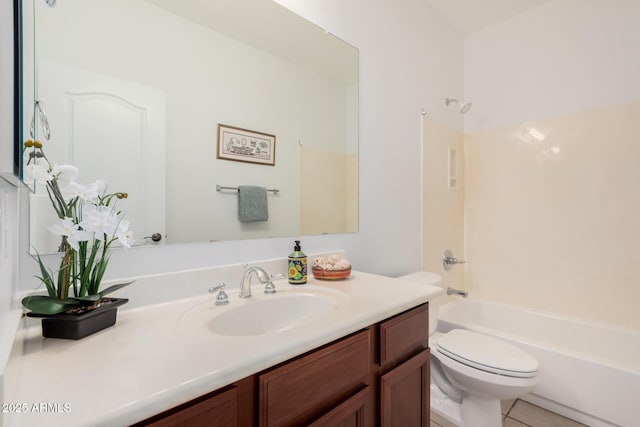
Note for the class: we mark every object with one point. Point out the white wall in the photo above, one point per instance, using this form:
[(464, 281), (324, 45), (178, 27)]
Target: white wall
[(9, 204), (562, 57), (551, 195)]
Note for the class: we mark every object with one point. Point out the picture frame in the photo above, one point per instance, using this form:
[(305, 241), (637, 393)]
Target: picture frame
[(244, 145)]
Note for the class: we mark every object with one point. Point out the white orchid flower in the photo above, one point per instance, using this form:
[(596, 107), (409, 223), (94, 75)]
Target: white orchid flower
[(66, 227), (37, 171), (99, 186), (99, 220), (65, 174), (84, 192), (124, 235)]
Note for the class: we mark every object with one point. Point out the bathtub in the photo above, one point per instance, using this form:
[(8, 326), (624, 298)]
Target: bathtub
[(589, 371)]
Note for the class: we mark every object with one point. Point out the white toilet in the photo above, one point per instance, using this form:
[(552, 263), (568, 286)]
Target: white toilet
[(471, 372)]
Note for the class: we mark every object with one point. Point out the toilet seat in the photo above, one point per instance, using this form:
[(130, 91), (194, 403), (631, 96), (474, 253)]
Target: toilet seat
[(487, 354)]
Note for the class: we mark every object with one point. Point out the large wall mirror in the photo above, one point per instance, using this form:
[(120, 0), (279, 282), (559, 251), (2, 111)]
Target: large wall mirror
[(134, 92)]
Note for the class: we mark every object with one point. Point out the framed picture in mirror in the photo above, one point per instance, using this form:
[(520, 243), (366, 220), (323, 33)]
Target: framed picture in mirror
[(244, 145)]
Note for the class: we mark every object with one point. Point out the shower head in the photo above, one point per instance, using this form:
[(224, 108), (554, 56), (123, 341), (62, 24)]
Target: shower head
[(464, 106)]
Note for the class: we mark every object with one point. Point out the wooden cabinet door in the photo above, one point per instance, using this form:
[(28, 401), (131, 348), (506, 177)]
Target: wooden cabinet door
[(404, 394), (350, 413), (217, 411), (300, 391)]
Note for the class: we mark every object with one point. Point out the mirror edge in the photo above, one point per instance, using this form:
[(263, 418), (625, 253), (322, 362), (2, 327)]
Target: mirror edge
[(17, 88)]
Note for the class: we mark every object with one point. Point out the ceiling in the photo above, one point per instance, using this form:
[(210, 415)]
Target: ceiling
[(468, 16)]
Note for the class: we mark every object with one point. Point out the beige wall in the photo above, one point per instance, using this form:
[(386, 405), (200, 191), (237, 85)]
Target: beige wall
[(551, 196), (552, 214), (443, 220)]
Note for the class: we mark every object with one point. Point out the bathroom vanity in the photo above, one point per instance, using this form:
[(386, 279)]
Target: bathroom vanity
[(365, 361), (381, 371)]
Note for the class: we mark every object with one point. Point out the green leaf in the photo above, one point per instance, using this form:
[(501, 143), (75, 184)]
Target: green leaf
[(46, 276), (114, 288), (42, 304), (88, 298)]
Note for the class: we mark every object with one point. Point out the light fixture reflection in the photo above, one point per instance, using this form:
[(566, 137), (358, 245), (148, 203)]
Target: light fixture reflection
[(536, 134), (529, 134)]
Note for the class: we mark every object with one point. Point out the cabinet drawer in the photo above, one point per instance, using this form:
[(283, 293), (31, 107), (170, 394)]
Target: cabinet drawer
[(301, 390), (404, 334)]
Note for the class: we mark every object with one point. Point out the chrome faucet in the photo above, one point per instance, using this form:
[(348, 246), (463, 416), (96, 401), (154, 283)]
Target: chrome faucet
[(451, 291), (263, 276)]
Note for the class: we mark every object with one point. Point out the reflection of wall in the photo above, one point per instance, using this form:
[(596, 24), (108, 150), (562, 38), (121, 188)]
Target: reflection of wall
[(227, 82), (443, 221), (551, 196), (322, 191), (329, 180), (351, 194)]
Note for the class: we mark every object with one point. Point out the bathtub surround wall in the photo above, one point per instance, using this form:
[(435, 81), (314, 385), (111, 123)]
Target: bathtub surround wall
[(551, 195), (443, 199)]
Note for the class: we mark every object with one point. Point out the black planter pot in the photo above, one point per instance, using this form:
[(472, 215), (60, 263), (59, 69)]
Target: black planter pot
[(74, 326)]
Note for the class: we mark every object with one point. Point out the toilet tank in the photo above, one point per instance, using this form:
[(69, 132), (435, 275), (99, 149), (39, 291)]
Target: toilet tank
[(432, 279)]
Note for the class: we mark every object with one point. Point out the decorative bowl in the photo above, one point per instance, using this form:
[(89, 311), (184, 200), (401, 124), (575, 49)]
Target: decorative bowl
[(322, 274)]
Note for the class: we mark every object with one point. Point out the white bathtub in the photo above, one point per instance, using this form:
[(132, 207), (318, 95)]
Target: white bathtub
[(589, 371)]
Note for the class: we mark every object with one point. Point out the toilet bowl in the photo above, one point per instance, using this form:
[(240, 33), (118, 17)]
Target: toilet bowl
[(471, 372)]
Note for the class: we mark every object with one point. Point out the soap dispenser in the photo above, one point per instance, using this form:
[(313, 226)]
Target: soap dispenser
[(297, 266)]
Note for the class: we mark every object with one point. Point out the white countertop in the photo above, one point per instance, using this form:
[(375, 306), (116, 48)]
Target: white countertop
[(156, 358)]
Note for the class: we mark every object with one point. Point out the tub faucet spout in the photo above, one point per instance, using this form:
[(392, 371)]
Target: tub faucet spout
[(451, 291)]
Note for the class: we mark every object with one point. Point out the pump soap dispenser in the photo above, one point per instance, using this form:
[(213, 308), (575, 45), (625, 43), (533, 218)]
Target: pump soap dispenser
[(297, 266)]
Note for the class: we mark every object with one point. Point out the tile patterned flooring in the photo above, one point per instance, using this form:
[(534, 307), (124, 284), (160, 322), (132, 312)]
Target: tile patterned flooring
[(518, 413)]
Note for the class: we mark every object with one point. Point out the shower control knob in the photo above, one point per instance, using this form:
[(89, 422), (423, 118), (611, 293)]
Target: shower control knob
[(448, 260)]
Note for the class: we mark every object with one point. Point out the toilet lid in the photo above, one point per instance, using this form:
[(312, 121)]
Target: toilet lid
[(487, 353)]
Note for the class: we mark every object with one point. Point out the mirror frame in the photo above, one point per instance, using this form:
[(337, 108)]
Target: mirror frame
[(17, 88)]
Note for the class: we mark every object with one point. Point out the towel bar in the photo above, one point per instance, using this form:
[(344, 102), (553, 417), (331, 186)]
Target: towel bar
[(220, 188)]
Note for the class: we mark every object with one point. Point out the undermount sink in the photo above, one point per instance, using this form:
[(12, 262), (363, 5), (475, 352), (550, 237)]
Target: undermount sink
[(288, 308), (271, 315)]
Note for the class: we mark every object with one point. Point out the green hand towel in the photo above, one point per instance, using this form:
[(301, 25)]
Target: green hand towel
[(252, 204)]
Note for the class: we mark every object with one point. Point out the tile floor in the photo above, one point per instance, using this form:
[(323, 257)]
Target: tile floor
[(518, 413)]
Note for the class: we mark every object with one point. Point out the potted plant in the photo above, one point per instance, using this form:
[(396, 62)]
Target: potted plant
[(89, 224)]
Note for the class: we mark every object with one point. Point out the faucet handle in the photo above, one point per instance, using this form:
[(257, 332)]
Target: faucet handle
[(222, 298), (448, 260), (269, 287)]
